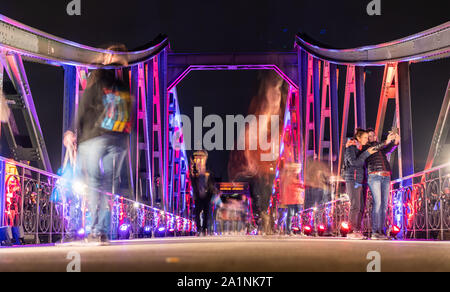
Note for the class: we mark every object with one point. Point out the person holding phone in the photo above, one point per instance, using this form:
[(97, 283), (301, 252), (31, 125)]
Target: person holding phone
[(379, 181)]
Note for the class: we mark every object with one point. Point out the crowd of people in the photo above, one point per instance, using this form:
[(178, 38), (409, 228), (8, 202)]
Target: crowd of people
[(103, 126)]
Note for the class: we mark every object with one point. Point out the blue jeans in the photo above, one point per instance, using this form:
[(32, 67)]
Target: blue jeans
[(100, 160), (379, 187)]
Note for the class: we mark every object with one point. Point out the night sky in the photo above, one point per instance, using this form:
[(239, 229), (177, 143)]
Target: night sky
[(236, 26)]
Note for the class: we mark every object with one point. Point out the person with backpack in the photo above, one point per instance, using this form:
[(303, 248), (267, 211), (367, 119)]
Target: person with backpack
[(103, 127), (354, 175)]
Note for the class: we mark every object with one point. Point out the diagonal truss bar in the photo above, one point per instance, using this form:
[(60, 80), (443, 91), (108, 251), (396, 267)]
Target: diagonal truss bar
[(16, 71), (354, 87), (441, 131)]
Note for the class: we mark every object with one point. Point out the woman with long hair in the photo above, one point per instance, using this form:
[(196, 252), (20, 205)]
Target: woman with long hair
[(248, 164), (354, 175)]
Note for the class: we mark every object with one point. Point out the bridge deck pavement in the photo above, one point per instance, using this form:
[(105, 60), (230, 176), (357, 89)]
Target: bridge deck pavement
[(232, 254)]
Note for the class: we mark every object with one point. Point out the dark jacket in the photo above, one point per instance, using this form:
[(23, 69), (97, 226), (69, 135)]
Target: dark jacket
[(354, 164), (378, 161), (91, 105), (203, 186)]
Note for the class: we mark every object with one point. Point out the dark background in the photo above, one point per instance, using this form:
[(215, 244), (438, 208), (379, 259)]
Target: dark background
[(198, 26)]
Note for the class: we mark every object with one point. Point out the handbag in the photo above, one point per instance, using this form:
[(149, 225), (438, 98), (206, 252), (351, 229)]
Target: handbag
[(63, 186)]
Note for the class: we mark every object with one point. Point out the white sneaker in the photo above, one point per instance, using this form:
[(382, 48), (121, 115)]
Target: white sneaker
[(355, 236)]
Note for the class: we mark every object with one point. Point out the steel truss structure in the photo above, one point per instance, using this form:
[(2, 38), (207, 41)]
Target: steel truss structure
[(158, 169)]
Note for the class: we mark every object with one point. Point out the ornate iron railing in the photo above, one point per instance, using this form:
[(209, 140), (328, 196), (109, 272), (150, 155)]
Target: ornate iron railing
[(418, 205), (26, 202)]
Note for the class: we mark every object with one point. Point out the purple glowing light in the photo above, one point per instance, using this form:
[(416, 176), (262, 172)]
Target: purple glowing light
[(124, 227)]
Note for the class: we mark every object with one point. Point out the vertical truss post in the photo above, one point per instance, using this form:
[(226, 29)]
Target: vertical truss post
[(145, 92), (441, 131), (329, 111), (360, 98), (75, 81), (2, 193), (388, 91), (171, 161), (301, 102), (141, 137), (13, 63), (325, 113), (157, 150), (354, 86), (177, 159), (334, 114), (391, 90), (163, 87), (405, 122), (134, 137), (150, 82), (317, 109), (10, 126), (310, 128), (2, 99), (70, 100)]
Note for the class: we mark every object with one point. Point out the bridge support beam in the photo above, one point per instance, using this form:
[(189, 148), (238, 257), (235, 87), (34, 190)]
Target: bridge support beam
[(441, 130), (163, 79), (406, 132), (2, 193), (13, 63)]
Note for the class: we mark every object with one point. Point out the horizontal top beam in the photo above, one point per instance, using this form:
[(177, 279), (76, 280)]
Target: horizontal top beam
[(232, 59), (38, 46), (180, 64), (428, 45)]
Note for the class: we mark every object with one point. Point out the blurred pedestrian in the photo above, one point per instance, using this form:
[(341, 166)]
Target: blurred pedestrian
[(103, 126), (292, 193), (204, 190)]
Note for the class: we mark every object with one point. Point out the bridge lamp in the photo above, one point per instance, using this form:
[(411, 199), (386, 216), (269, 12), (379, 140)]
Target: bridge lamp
[(307, 230), (81, 233), (124, 231), (321, 229), (161, 232), (147, 231), (395, 230), (345, 229)]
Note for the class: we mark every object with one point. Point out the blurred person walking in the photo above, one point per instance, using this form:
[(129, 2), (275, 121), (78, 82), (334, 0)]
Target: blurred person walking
[(103, 127), (292, 195), (204, 190)]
